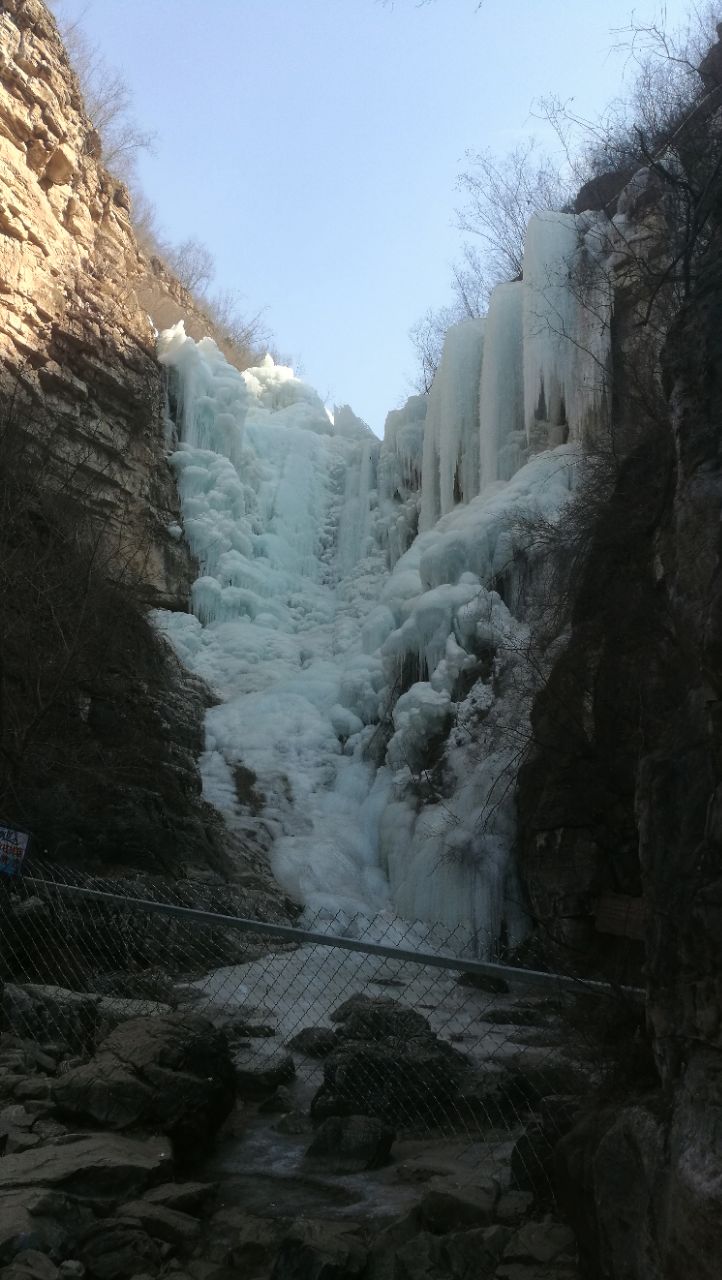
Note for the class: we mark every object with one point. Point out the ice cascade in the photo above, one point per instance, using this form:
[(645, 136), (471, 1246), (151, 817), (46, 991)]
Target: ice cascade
[(365, 611)]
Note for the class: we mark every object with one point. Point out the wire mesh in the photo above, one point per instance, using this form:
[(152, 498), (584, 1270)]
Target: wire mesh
[(447, 1052)]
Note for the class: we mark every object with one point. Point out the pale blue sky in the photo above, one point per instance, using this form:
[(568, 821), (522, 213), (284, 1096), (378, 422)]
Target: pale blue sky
[(314, 146)]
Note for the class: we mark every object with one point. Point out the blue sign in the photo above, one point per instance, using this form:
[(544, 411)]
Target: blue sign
[(13, 847)]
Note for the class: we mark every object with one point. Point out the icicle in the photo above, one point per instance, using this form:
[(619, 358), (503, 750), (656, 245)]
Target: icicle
[(501, 401), (567, 311), (451, 438)]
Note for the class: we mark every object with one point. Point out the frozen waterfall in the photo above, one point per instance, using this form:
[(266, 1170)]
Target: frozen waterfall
[(364, 610)]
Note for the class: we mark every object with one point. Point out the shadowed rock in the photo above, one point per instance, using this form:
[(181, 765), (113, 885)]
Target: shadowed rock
[(352, 1143), (172, 1073)]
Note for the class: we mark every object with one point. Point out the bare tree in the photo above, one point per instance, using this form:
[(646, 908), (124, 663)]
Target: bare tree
[(245, 334), (427, 338), (108, 101), (144, 217), (192, 262), (501, 194)]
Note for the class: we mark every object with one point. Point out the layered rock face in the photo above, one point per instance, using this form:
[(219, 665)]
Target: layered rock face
[(99, 753), (76, 345)]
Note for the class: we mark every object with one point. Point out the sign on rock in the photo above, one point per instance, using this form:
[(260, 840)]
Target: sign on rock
[(13, 847)]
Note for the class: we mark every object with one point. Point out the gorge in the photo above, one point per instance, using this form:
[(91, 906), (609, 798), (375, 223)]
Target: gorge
[(464, 676)]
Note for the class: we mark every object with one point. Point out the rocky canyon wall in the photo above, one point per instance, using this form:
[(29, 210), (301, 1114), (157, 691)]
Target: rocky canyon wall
[(620, 799), (100, 730)]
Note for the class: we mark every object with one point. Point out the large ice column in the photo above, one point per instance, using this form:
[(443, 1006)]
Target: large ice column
[(399, 476), (451, 440), (402, 449), (567, 314), (360, 480), (501, 400)]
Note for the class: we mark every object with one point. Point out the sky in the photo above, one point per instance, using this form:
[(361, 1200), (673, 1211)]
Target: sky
[(314, 146)]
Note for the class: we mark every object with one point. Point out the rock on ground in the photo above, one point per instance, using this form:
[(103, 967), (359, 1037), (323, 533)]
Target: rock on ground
[(352, 1143), (102, 1169), (172, 1073)]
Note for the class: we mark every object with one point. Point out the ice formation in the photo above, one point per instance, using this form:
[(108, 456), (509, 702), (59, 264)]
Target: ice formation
[(451, 438), (503, 437), (567, 312), (376, 679)]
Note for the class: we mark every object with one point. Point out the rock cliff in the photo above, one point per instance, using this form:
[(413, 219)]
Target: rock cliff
[(100, 729), (621, 797), (76, 343)]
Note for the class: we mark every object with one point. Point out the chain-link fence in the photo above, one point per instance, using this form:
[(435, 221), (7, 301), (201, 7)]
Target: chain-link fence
[(327, 1016)]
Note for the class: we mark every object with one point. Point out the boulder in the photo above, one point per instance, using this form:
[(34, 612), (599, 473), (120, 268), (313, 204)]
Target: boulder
[(172, 1074), (490, 1096), (18, 1054), (457, 1256), (319, 1251), (45, 1011), (378, 1018), (170, 1225), (34, 1218), (9, 1081), (447, 1206), (315, 1042), (399, 1081), (261, 1067), (512, 1206), (30, 1264), (185, 1196), (541, 1242), (17, 1140), (238, 1027), (279, 1103), (386, 1243), (48, 1130), (102, 1169), (244, 1241), (536, 1074), (293, 1123), (117, 1250), (350, 1144), (532, 1161), (14, 1117), (33, 1088)]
